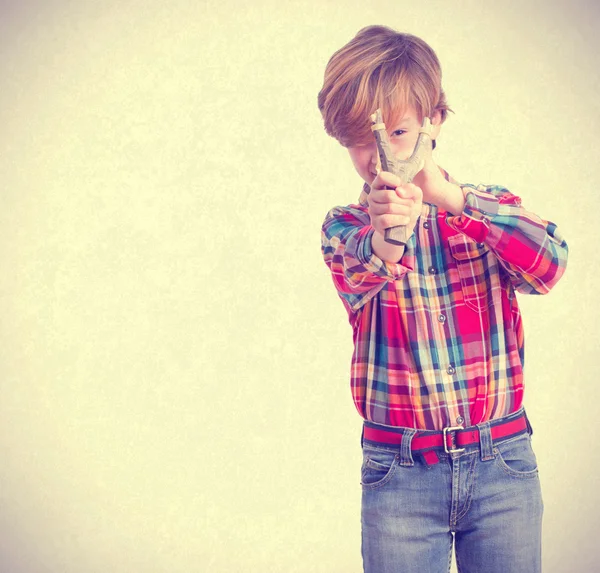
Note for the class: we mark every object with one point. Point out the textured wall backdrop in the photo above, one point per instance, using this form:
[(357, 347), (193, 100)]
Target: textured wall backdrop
[(174, 361)]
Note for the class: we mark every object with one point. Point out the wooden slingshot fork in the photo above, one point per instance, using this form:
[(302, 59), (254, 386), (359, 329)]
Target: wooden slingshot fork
[(404, 169)]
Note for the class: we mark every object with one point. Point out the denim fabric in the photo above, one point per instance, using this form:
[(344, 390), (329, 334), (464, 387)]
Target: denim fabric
[(487, 499)]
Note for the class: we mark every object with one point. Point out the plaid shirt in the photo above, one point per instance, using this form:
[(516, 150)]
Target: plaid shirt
[(438, 337)]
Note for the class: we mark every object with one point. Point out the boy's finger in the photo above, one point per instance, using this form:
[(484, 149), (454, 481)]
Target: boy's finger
[(386, 179), (403, 207), (387, 221), (384, 196), (409, 191)]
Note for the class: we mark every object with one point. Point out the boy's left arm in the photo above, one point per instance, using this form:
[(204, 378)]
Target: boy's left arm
[(531, 249)]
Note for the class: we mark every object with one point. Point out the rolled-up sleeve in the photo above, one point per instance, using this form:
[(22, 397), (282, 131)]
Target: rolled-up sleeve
[(357, 272), (530, 249)]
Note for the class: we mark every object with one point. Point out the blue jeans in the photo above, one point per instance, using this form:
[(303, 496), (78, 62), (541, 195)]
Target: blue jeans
[(486, 498)]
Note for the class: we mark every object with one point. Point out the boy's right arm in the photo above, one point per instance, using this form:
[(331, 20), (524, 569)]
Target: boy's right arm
[(346, 242), (392, 204), (350, 244)]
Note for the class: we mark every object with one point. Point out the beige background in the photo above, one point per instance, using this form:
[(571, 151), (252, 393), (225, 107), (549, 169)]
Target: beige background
[(174, 368)]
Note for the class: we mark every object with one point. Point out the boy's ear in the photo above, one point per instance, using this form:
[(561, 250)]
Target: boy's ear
[(436, 122)]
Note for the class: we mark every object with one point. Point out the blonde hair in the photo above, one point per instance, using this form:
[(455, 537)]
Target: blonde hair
[(379, 68)]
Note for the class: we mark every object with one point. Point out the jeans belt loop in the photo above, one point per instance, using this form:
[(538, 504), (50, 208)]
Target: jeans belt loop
[(406, 458), (485, 442)]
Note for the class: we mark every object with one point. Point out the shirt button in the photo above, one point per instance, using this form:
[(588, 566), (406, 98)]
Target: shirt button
[(442, 318), (460, 420), (450, 370), (426, 224), (432, 270)]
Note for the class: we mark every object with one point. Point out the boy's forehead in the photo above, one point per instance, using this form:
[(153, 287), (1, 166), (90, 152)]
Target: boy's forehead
[(393, 119), (404, 118), (412, 118), (406, 115)]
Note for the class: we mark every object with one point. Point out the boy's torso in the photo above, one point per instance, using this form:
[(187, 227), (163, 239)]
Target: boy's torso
[(443, 345)]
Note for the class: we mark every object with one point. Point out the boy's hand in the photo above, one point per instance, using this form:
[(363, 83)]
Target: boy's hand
[(431, 180), (436, 190), (391, 203)]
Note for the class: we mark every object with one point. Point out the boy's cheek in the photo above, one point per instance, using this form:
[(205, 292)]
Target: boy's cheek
[(404, 151)]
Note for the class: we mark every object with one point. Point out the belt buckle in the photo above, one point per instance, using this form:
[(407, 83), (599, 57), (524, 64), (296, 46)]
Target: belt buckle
[(453, 450)]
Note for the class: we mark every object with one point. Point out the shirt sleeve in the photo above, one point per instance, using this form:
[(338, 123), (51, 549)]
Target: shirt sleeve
[(357, 272), (530, 249)]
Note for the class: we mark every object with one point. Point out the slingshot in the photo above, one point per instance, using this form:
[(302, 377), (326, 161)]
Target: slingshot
[(404, 169)]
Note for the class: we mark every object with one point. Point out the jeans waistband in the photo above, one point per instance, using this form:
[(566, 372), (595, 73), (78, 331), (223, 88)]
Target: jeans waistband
[(452, 439)]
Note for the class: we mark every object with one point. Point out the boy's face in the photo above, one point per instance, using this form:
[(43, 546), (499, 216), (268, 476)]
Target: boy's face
[(403, 138)]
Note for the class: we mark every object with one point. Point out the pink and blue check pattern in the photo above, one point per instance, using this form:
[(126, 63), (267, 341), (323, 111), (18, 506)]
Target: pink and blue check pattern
[(438, 337)]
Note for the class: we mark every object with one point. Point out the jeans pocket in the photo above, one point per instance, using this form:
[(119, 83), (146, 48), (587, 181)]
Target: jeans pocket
[(378, 467), (516, 458)]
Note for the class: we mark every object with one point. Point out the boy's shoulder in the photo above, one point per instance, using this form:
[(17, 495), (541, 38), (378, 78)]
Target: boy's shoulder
[(352, 212)]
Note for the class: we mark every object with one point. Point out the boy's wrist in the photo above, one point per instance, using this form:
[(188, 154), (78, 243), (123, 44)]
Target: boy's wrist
[(450, 198), (385, 251)]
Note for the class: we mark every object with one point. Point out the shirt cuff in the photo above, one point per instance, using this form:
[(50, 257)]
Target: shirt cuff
[(480, 207), (375, 265)]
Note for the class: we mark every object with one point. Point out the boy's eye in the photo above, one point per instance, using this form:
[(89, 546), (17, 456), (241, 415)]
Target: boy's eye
[(398, 132)]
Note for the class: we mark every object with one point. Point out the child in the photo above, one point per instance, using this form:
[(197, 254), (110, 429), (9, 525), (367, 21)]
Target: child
[(437, 368)]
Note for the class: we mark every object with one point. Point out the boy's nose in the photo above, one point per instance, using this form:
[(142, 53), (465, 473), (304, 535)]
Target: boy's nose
[(375, 163)]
